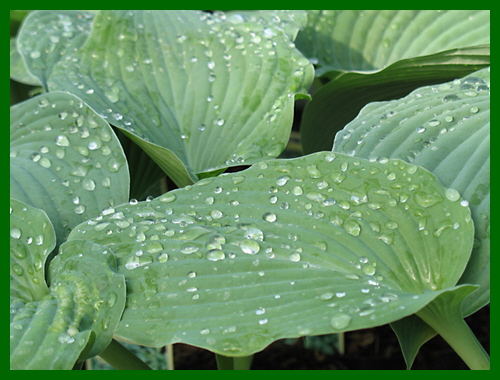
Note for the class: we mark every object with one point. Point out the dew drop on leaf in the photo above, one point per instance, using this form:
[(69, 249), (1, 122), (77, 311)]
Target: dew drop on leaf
[(340, 321)]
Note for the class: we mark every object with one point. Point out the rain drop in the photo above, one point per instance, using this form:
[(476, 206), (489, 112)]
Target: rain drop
[(340, 321), (269, 217), (250, 247)]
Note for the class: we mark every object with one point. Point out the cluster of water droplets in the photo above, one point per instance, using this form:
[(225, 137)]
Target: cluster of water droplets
[(29, 246), (52, 34), (441, 110), (217, 228), (77, 149)]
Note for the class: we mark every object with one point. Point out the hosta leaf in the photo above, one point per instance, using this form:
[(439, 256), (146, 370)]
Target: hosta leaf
[(198, 92), (338, 102), (313, 245), (65, 159), (47, 36), (18, 70), (51, 328), (366, 40), (446, 129), (376, 55), (32, 239)]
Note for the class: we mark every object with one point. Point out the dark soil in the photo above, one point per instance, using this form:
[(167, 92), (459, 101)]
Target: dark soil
[(370, 349)]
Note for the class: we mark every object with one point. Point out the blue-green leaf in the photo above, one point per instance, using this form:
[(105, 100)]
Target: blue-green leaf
[(314, 245)]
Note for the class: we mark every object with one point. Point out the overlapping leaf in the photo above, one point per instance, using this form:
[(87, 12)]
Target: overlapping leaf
[(379, 55), (313, 245), (198, 92), (51, 328), (367, 40), (65, 159), (47, 36), (446, 129)]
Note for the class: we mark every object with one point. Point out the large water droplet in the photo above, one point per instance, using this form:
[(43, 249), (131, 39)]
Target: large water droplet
[(427, 200), (269, 217), (15, 233), (88, 184), (111, 299), (62, 140), (452, 195), (189, 249), (294, 256), (340, 321), (250, 247), (216, 255)]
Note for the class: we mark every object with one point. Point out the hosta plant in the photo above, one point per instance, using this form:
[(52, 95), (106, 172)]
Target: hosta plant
[(385, 220)]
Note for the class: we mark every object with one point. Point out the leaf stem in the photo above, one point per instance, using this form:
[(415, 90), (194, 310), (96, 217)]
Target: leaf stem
[(452, 327), (238, 363), (121, 358)]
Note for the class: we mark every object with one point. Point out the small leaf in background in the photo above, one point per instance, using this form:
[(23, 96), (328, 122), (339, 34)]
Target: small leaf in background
[(198, 92), (65, 159), (367, 40), (47, 36), (51, 328), (309, 246), (379, 55)]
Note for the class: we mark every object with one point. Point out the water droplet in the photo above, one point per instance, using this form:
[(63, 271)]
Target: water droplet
[(163, 257), (450, 98), (250, 247), (15, 233), (254, 233), (316, 197), (352, 228), (326, 296), (452, 195), (62, 140), (88, 184), (263, 321), (313, 171), (111, 299), (189, 249), (294, 256), (17, 269), (269, 217), (216, 255), (420, 129), (216, 214), (391, 176), (427, 200), (340, 321), (281, 181), (80, 209), (35, 54)]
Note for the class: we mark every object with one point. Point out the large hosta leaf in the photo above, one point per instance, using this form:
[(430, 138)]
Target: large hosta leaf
[(314, 245), (379, 55), (65, 159), (198, 92), (446, 129), (51, 328)]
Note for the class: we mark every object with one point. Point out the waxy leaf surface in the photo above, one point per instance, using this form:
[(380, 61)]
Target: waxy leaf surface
[(65, 159), (75, 317), (446, 129), (198, 92), (314, 245), (374, 55)]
